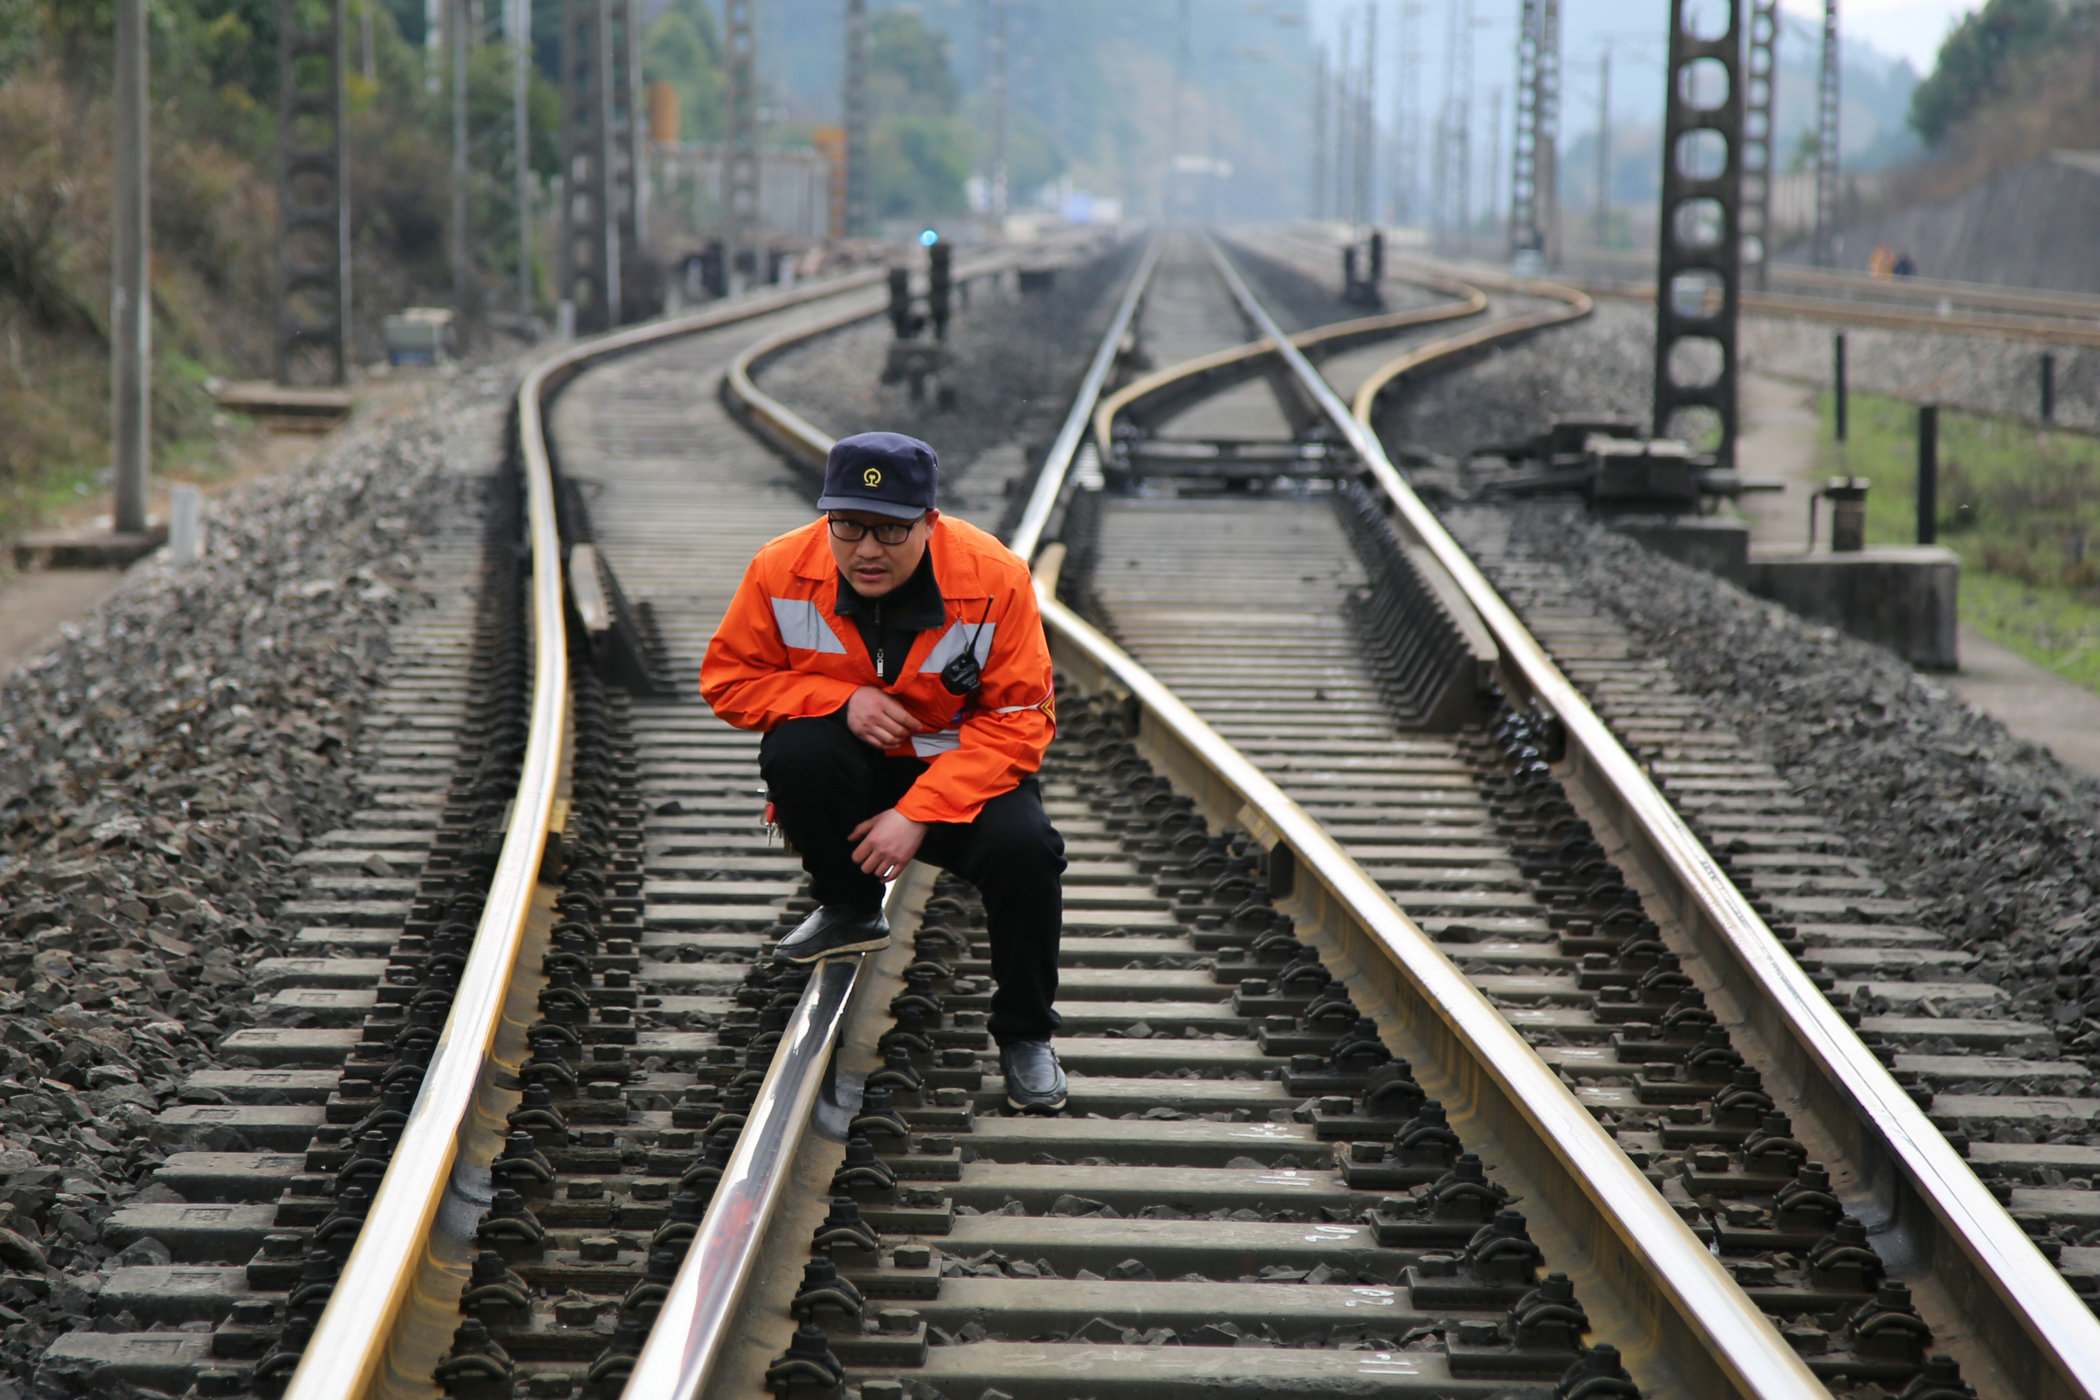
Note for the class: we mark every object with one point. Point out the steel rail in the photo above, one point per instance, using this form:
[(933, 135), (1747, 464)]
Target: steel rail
[(1633, 1247), (1050, 481), (1933, 1219), (1837, 284), (1843, 312), (1568, 1157), (1237, 361), (1578, 305), (687, 1343), (346, 1359)]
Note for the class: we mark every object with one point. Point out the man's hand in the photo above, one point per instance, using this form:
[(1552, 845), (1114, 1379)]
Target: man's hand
[(875, 717), (886, 843)]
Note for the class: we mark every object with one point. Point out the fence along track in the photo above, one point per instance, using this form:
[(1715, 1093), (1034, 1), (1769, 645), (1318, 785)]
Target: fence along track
[(1985, 1282)]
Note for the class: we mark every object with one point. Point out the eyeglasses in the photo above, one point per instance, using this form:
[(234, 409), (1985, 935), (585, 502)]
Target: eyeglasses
[(853, 531)]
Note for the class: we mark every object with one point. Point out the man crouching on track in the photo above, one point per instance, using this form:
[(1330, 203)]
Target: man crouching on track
[(895, 661)]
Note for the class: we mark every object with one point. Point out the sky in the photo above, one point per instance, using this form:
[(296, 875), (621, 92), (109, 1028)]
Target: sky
[(1909, 29)]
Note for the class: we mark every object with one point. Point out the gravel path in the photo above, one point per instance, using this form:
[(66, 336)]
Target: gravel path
[(159, 768)]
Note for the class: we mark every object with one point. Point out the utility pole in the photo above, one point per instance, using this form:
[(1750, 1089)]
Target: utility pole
[(1494, 144), (591, 197), (131, 298), (740, 171), (1454, 141), (1534, 156), (1827, 143), (856, 118), (1407, 119), (1172, 192), (1319, 133), (999, 114), (1367, 120), (456, 40), (520, 16), (1604, 147), (1761, 76), (1345, 127)]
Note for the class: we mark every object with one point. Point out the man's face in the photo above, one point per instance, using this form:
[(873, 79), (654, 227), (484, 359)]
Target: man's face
[(872, 567)]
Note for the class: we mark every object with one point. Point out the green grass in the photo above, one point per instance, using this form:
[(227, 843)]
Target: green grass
[(2021, 506)]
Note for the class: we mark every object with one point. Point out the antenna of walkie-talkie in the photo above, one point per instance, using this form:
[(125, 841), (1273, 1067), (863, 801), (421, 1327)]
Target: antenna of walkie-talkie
[(963, 676)]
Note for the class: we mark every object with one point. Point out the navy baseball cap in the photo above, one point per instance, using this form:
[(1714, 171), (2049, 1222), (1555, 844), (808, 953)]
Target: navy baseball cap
[(886, 473)]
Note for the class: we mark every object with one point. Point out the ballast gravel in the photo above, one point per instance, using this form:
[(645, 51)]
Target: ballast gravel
[(1997, 842), (1015, 360), (1605, 363), (160, 766)]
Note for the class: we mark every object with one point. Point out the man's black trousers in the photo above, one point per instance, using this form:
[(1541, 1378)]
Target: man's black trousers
[(825, 782)]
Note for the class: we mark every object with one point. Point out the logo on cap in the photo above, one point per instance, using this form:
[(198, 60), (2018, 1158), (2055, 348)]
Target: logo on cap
[(871, 477)]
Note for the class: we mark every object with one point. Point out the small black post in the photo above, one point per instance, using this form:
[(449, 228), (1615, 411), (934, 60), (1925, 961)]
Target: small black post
[(901, 317), (938, 285), (1928, 472), (1838, 381), (2048, 388)]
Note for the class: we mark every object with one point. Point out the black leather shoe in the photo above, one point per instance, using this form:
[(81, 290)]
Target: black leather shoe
[(834, 928), (1035, 1081)]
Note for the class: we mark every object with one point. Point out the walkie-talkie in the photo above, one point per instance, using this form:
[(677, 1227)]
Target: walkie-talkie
[(963, 676)]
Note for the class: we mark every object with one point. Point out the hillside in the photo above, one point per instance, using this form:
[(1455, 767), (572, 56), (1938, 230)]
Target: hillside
[(213, 142)]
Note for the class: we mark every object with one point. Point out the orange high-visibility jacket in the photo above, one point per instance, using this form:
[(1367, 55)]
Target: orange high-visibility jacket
[(782, 652)]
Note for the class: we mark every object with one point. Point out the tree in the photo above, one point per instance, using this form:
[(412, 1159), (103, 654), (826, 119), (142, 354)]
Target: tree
[(919, 153), (908, 68), (919, 164), (1978, 59), (681, 48)]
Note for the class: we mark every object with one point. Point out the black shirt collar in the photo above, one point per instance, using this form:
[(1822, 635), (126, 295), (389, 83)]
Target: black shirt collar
[(915, 606)]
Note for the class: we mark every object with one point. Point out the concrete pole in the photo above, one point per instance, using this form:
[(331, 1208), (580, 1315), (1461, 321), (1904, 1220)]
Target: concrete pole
[(999, 113), (856, 105), (1604, 148), (131, 304), (520, 140), (1170, 201), (456, 40)]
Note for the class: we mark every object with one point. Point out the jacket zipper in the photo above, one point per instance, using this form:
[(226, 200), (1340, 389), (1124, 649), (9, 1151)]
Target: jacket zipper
[(880, 678)]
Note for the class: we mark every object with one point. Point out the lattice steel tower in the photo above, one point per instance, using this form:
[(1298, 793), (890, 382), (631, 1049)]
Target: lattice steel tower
[(1699, 258), (601, 188), (1760, 96), (1407, 120), (856, 118), (1827, 95), (313, 201), (740, 169), (1454, 179), (1534, 158)]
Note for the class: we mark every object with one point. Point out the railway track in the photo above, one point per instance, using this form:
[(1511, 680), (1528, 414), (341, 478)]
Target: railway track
[(632, 1168)]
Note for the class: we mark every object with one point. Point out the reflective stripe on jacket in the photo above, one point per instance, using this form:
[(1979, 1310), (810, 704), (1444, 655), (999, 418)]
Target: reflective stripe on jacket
[(782, 652)]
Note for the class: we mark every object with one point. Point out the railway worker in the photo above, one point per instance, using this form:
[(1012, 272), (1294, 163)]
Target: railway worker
[(895, 661)]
